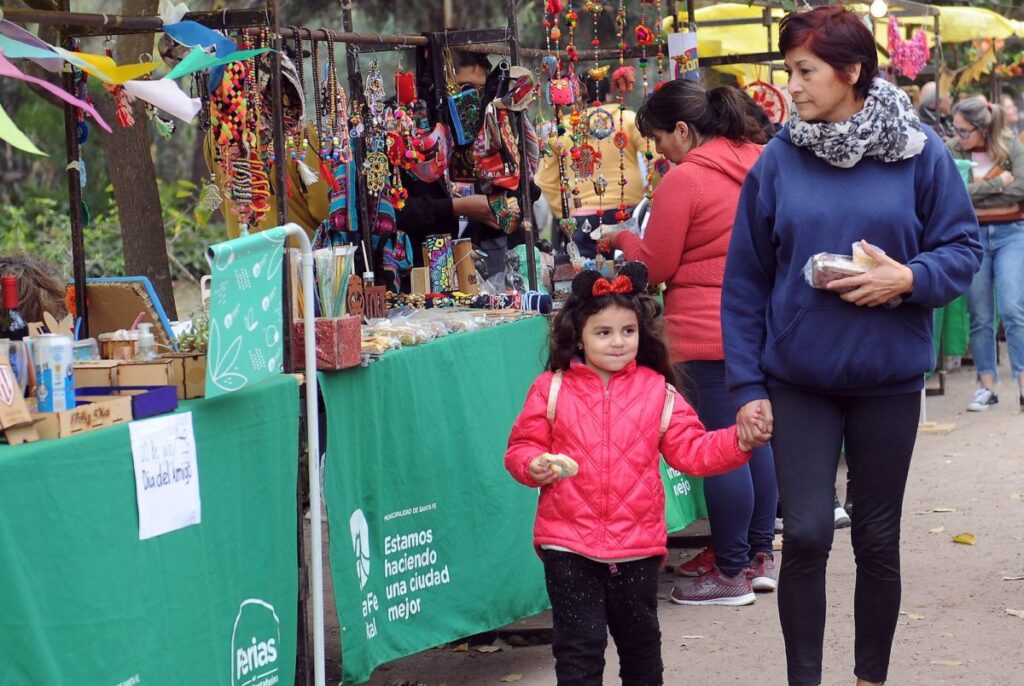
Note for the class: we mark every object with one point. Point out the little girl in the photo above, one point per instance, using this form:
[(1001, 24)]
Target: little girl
[(601, 531)]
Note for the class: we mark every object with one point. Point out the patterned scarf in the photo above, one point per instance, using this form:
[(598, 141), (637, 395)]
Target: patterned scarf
[(887, 127)]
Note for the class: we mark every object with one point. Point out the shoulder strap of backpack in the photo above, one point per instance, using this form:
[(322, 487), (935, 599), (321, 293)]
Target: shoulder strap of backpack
[(666, 410), (556, 384)]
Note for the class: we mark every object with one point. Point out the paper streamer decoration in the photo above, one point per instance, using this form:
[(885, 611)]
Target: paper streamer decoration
[(53, 63), (15, 49), (171, 13), (106, 69), (190, 34), (8, 69), (10, 132), (198, 59), (166, 95), (245, 311)]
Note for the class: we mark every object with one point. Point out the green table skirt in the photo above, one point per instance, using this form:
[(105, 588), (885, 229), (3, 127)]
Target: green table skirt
[(84, 601)]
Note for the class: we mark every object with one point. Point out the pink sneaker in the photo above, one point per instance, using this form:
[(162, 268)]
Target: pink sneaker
[(698, 565), (714, 588), (761, 572)]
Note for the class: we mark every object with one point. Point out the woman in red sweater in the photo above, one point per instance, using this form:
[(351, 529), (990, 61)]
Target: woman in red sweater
[(713, 139)]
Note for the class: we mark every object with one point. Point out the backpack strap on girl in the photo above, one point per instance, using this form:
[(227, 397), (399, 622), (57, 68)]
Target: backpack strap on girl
[(666, 410), (556, 384)]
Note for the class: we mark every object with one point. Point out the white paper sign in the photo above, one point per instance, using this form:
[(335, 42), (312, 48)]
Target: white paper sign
[(166, 474)]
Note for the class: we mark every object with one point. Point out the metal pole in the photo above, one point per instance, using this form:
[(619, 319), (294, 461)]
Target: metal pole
[(75, 195), (525, 196)]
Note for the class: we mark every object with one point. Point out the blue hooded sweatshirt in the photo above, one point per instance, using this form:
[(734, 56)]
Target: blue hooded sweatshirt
[(777, 329)]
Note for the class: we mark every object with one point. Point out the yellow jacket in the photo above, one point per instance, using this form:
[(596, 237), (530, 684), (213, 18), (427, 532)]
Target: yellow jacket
[(547, 174)]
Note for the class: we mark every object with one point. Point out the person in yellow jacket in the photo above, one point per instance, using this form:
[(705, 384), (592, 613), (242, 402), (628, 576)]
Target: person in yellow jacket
[(592, 207)]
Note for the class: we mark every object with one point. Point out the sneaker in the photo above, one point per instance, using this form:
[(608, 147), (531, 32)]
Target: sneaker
[(778, 525), (714, 588), (842, 520), (698, 565), (761, 573), (982, 400)]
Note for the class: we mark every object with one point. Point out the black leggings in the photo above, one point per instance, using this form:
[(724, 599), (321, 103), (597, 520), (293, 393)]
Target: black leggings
[(589, 599), (879, 433)]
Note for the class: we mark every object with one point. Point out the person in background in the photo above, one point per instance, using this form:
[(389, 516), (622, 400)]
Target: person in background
[(1011, 114), (602, 114), (600, 527), (41, 286), (713, 140), (844, 361), (996, 189), (933, 110)]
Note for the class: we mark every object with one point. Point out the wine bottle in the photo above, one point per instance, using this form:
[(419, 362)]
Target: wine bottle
[(13, 327)]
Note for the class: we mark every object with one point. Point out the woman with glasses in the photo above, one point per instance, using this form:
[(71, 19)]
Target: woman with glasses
[(845, 363), (996, 189)]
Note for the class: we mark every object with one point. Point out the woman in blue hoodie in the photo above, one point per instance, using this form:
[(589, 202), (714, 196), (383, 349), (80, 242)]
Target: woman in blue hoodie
[(847, 363)]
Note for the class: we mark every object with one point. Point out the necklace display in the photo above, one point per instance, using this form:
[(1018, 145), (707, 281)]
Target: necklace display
[(620, 139), (560, 93)]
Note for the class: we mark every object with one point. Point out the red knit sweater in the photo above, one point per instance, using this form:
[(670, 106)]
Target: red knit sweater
[(687, 239)]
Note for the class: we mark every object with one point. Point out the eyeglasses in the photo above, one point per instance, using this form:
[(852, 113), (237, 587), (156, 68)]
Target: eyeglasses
[(964, 133)]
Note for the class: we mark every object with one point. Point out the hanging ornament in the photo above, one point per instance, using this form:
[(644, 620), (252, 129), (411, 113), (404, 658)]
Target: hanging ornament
[(907, 57), (375, 168), (771, 100)]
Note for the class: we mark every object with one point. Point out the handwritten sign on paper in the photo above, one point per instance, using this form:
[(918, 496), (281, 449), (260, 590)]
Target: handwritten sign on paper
[(166, 474)]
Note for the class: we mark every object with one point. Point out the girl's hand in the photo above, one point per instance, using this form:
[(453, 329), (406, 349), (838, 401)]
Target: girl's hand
[(878, 286), (1007, 178), (541, 472), (754, 424)]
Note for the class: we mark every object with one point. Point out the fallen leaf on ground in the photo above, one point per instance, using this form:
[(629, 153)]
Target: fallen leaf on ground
[(940, 510), (487, 649), (509, 678), (461, 648), (1013, 578), (966, 538), (947, 663), (911, 615), (685, 638), (1017, 496), (937, 530), (1015, 613), (954, 454)]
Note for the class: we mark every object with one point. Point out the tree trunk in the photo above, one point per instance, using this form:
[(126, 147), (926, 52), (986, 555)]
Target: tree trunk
[(133, 174)]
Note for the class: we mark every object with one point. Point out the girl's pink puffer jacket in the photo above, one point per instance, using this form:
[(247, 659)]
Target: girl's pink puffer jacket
[(614, 507)]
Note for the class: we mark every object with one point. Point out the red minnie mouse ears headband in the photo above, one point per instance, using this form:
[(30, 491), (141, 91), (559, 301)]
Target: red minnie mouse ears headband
[(631, 280)]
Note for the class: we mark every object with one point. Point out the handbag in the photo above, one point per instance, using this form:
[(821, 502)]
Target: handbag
[(496, 152), (465, 108)]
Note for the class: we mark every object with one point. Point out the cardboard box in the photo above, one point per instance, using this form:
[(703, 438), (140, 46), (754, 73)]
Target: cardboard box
[(419, 280), (85, 417), (96, 373), (147, 401), (338, 343), (151, 373), (188, 373)]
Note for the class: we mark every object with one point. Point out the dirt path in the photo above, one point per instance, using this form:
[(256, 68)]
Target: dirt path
[(954, 630)]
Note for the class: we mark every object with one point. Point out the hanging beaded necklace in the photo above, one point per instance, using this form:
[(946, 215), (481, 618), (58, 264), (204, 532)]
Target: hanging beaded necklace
[(620, 139)]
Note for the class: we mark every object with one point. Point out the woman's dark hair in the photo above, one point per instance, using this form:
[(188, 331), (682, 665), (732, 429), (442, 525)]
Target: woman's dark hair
[(463, 58), (41, 286), (597, 89), (757, 113), (837, 36), (567, 328), (720, 111)]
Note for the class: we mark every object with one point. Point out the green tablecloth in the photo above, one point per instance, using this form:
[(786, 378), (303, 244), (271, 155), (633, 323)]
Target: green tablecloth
[(431, 538), (84, 601)]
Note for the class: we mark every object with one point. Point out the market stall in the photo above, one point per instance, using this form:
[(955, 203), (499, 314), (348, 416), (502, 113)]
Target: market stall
[(86, 600)]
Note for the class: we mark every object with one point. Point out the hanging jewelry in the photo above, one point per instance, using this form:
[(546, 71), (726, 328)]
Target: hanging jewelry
[(620, 139)]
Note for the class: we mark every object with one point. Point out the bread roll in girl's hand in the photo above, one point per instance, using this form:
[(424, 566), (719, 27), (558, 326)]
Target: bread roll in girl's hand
[(562, 465)]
